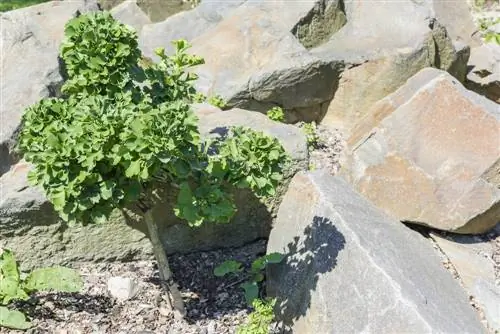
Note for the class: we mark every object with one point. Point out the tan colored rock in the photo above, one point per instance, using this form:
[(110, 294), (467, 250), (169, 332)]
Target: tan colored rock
[(381, 50), (430, 154), (255, 62)]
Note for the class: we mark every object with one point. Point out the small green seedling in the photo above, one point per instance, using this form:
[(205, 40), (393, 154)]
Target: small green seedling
[(276, 114), (217, 101), (253, 276), (199, 97), (260, 319), (311, 133), (15, 287)]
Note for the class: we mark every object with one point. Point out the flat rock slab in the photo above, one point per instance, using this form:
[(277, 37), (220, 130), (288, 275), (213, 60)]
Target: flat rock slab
[(436, 145), (350, 268), (474, 260)]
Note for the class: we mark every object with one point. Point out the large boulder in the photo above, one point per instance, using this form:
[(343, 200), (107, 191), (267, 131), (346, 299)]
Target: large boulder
[(436, 145), (31, 228), (381, 50), (30, 39), (255, 62), (349, 268), (260, 54), (484, 74)]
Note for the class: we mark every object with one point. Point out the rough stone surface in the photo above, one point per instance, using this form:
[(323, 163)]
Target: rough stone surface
[(473, 259), (435, 144), (458, 20), (129, 13), (30, 227), (351, 269), (382, 45), (253, 60), (484, 74), (184, 25), (30, 39), (28, 224)]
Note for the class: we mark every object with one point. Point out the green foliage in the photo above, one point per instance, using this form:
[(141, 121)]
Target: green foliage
[(276, 114), (249, 159), (199, 97), (228, 267), (488, 35), (124, 125), (6, 5), (14, 287), (253, 275), (312, 137), (491, 36), (260, 319), (217, 101), (99, 53)]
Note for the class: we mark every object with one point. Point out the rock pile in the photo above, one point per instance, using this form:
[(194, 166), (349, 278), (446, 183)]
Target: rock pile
[(398, 80)]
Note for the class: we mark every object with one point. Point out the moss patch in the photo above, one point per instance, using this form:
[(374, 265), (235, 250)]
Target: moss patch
[(320, 24)]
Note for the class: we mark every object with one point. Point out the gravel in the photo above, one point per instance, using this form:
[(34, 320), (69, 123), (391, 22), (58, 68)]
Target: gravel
[(214, 305)]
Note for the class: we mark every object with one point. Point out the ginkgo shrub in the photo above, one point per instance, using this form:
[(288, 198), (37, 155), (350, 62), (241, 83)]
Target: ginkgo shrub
[(124, 126)]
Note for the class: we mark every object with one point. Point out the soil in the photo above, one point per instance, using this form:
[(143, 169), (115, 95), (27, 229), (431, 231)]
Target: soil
[(214, 305)]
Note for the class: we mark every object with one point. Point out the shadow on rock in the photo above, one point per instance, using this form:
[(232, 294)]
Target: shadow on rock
[(308, 256)]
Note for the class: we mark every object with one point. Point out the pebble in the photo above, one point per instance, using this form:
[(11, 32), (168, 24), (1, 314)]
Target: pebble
[(122, 288)]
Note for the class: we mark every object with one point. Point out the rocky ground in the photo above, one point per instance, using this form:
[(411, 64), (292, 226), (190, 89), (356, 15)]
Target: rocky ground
[(214, 305)]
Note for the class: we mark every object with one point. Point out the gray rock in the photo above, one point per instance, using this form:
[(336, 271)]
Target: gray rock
[(255, 62), (488, 297), (352, 269), (473, 260), (456, 16), (30, 227), (30, 39), (129, 13), (184, 25), (122, 288), (495, 28), (484, 74)]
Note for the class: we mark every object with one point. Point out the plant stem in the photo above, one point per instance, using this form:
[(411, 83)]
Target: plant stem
[(176, 302)]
